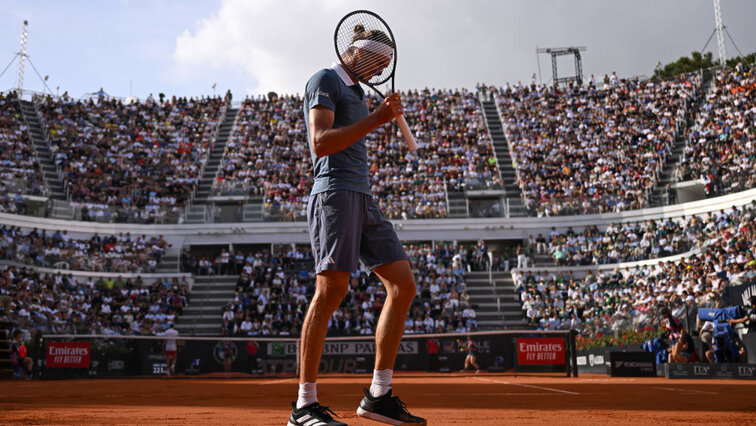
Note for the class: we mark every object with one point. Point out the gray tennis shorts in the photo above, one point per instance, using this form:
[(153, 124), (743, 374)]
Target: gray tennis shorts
[(347, 228)]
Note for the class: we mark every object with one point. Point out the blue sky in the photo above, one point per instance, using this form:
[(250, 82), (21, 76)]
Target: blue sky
[(252, 46)]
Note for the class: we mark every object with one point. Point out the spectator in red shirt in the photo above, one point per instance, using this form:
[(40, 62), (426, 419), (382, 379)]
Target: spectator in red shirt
[(432, 347)]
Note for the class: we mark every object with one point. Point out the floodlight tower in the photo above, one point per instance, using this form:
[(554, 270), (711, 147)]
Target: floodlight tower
[(22, 55), (720, 32)]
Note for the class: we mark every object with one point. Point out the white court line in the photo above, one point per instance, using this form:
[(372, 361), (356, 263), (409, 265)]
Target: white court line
[(472, 394), (270, 382), (687, 390), (526, 386)]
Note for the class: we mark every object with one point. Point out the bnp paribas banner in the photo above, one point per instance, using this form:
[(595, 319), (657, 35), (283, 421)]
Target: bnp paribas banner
[(338, 356)]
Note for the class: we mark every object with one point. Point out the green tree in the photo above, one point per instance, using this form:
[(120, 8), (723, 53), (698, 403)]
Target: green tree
[(685, 64), (695, 62)]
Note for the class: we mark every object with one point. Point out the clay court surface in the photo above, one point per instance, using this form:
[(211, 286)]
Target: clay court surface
[(442, 399)]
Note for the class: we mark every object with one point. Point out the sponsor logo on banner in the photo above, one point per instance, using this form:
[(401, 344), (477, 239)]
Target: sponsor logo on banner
[(341, 348), (116, 364), (540, 350), (746, 371), (595, 360), (68, 354), (701, 370)]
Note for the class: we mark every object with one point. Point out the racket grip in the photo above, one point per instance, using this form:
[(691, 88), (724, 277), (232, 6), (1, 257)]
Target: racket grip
[(407, 133)]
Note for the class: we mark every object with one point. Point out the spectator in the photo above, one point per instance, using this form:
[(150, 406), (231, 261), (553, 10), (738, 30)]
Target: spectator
[(18, 356)]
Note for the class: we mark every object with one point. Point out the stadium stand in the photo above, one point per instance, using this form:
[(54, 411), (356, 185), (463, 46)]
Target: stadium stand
[(593, 148), (610, 301), (59, 303), (628, 241), (268, 156), (271, 292), (108, 253), (19, 168), (720, 148), (139, 161)]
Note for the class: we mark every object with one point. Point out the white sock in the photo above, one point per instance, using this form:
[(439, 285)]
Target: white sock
[(381, 382), (307, 394)]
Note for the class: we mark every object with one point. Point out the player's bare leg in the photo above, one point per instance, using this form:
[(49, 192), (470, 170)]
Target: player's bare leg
[(331, 288), (400, 290)]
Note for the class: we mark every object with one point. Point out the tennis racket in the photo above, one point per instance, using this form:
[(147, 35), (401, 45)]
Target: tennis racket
[(366, 34)]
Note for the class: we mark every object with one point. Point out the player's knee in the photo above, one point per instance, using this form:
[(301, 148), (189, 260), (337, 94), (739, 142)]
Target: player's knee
[(330, 296), (407, 289)]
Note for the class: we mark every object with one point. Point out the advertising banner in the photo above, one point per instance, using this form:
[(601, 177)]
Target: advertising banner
[(631, 364), (540, 351), (711, 371), (68, 354)]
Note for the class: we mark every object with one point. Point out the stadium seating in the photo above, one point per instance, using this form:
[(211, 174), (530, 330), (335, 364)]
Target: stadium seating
[(273, 292), (721, 147), (108, 253), (19, 168), (58, 303), (592, 148), (140, 159), (629, 241), (605, 302), (268, 155)]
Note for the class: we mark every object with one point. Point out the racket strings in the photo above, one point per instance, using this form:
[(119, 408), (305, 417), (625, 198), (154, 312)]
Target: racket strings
[(369, 62)]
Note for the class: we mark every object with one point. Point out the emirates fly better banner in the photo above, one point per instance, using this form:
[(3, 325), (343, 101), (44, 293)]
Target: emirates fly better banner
[(540, 350), (68, 354)]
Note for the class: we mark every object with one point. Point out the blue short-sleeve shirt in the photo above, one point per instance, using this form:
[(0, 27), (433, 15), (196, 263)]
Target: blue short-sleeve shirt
[(346, 169)]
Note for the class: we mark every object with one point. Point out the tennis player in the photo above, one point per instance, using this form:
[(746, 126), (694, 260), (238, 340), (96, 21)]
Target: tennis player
[(171, 351), (347, 228), (471, 360)]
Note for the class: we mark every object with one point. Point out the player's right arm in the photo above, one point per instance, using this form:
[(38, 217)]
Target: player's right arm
[(325, 140)]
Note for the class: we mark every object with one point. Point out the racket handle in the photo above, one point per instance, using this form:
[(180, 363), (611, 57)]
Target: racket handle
[(407, 133)]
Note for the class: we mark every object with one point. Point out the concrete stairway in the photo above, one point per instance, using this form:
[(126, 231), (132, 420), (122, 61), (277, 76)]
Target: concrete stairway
[(42, 150), (170, 261), (659, 197), (253, 209), (456, 204), (197, 213), (203, 316), (503, 159), (6, 369), (498, 306)]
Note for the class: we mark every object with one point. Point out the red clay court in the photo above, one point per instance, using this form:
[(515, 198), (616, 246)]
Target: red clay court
[(442, 399)]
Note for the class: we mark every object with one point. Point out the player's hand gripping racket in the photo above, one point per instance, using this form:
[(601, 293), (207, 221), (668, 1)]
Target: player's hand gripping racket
[(366, 47)]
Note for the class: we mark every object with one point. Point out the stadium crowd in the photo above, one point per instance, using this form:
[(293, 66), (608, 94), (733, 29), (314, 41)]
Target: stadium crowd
[(108, 253), (593, 148), (273, 291), (59, 303), (19, 168), (610, 301), (627, 242), (721, 146), (137, 162), (268, 155)]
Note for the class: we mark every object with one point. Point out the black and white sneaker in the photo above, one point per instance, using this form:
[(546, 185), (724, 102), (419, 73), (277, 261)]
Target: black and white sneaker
[(387, 409), (312, 415)]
